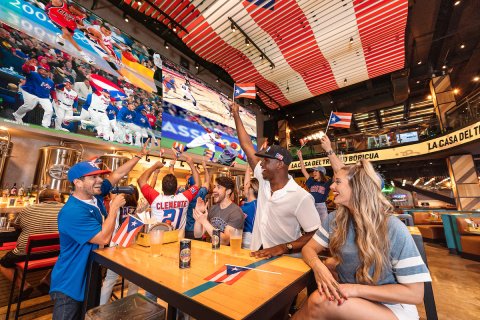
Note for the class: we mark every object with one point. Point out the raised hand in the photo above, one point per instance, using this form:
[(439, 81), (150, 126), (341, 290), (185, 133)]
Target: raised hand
[(201, 207), (299, 154), (145, 148)]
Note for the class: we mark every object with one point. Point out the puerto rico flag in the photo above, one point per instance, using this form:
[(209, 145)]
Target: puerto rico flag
[(127, 232), (227, 274), (340, 119), (244, 90), (101, 83)]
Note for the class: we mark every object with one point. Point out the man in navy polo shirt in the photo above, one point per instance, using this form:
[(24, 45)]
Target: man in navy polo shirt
[(83, 224)]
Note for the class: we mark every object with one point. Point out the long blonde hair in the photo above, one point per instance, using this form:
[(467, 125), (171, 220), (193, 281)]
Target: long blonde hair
[(369, 217)]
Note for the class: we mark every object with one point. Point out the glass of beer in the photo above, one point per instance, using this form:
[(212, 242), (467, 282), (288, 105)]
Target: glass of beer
[(236, 240), (156, 241)]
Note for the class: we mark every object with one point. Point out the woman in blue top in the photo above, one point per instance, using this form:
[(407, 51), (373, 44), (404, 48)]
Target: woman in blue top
[(380, 272), (249, 208), (318, 185)]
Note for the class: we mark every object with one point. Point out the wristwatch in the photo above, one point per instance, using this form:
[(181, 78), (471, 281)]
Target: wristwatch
[(330, 152), (289, 248)]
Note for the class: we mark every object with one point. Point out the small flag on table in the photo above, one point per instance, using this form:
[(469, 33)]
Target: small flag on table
[(244, 90), (340, 119), (127, 232), (227, 274)]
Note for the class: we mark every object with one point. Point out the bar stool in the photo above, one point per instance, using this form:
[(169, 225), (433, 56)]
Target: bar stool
[(132, 307), (48, 245)]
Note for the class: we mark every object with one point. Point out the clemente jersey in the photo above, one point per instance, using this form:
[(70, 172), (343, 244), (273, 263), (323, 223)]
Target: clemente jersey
[(169, 208)]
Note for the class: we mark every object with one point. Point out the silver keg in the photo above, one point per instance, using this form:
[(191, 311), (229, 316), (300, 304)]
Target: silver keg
[(53, 165), (5, 151), (112, 162)]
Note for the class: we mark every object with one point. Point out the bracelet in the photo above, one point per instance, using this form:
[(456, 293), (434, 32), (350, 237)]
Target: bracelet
[(137, 156), (309, 262), (330, 152)]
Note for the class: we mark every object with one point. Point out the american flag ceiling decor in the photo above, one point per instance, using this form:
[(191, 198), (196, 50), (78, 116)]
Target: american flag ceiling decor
[(316, 45)]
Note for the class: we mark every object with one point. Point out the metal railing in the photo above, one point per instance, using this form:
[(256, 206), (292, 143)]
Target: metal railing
[(466, 112)]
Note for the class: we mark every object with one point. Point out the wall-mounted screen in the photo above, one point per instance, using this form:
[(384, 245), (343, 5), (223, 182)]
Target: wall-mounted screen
[(407, 137), (64, 68), (188, 131)]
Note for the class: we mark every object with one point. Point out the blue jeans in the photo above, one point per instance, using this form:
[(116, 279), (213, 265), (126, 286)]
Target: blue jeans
[(65, 308)]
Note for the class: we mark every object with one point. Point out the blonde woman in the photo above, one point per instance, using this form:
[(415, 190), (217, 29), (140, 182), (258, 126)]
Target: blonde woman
[(380, 271)]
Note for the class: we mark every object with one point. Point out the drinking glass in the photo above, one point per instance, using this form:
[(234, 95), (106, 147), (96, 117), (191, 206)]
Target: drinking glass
[(156, 241), (236, 240)]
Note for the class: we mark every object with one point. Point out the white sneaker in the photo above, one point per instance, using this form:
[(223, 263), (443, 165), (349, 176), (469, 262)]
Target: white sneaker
[(59, 39), (17, 118), (86, 58)]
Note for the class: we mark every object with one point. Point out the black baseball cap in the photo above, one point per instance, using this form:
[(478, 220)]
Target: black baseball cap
[(276, 152)]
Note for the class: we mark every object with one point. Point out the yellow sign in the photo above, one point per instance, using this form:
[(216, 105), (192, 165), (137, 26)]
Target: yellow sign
[(451, 140)]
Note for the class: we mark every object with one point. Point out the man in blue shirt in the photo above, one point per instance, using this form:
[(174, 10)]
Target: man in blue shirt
[(83, 224), (37, 89)]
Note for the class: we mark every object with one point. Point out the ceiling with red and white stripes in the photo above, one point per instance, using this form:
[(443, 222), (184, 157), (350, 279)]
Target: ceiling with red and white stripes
[(316, 46)]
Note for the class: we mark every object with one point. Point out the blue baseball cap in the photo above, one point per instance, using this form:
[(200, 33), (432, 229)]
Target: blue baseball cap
[(83, 169)]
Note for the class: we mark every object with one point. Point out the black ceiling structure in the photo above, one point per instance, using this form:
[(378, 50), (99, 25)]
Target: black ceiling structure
[(441, 38)]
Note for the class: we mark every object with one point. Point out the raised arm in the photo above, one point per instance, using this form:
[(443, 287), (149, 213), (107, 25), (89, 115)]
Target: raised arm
[(124, 169), (153, 181), (143, 179), (206, 184), (246, 180), (244, 138), (196, 175), (302, 164), (171, 166), (335, 161)]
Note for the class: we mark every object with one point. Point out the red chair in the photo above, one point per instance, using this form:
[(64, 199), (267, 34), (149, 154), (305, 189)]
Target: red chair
[(45, 245)]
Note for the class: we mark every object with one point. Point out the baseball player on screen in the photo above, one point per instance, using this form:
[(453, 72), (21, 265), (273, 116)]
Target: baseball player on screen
[(125, 123), (143, 128), (95, 109), (101, 40), (207, 139), (67, 100), (38, 89), (66, 17)]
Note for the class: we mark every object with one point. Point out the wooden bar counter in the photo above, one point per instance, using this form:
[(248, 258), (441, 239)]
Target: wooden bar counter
[(256, 295)]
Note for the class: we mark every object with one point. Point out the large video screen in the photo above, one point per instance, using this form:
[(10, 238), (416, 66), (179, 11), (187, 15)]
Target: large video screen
[(194, 96), (186, 131), (64, 68)]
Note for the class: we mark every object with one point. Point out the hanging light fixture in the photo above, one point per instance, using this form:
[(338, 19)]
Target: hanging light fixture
[(125, 17)]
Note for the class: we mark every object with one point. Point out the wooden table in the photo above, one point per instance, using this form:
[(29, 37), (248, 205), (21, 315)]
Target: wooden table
[(256, 295), (474, 230), (414, 231)]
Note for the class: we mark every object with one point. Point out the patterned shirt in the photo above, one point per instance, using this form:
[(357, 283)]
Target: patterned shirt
[(37, 219)]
